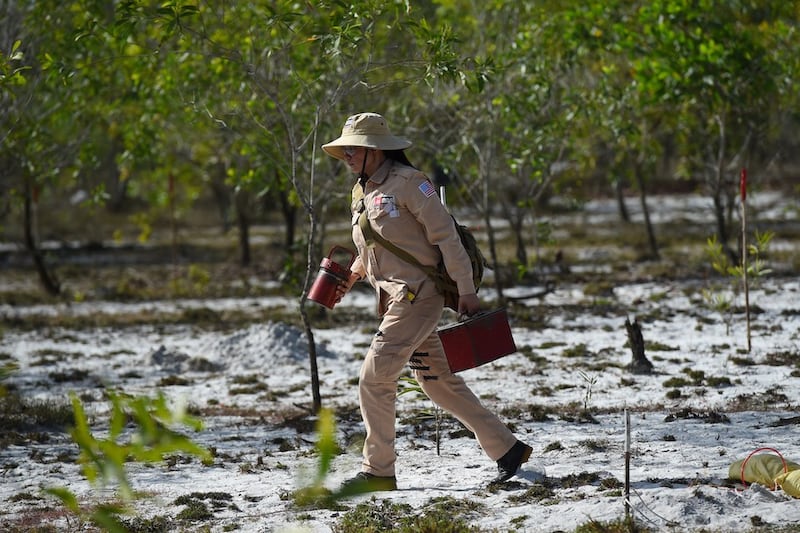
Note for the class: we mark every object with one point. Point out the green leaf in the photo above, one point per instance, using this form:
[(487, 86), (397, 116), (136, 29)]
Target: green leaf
[(68, 499)]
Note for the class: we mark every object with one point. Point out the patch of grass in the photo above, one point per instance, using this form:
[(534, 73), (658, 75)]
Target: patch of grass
[(676, 382), (195, 511), (674, 394), (196, 508), (719, 381), (599, 288), (785, 358), (610, 483), (70, 376), (765, 401), (121, 351), (173, 380), (241, 317), (710, 417), (19, 415), (249, 379), (697, 376), (442, 515), (622, 525), (284, 445), (655, 346), (578, 350), (54, 355), (156, 524), (24, 497), (252, 389), (552, 344), (540, 413), (595, 445), (553, 447), (37, 521), (519, 521), (532, 356), (580, 480), (578, 415), (372, 517), (537, 492), (201, 364)]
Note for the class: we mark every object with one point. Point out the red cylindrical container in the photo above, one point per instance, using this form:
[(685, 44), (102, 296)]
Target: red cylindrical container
[(331, 274)]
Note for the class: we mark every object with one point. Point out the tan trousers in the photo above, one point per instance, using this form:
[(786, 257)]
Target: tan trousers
[(408, 333)]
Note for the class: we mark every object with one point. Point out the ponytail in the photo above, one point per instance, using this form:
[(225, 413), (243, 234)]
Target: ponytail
[(398, 156)]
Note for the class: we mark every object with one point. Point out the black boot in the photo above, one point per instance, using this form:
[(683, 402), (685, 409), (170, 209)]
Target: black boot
[(365, 482), (508, 465)]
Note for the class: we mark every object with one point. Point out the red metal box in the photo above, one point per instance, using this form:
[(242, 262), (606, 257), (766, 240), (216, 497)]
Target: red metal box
[(479, 339)]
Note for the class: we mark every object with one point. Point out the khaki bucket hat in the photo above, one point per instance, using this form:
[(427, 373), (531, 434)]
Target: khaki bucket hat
[(368, 130)]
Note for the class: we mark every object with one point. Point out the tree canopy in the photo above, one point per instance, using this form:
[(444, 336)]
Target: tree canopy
[(146, 106)]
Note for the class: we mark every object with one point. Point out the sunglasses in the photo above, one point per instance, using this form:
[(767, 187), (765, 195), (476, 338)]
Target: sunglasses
[(350, 151)]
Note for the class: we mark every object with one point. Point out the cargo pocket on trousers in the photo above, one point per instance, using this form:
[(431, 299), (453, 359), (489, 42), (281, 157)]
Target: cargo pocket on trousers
[(382, 365)]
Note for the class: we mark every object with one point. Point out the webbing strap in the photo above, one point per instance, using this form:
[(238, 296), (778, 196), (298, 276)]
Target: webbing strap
[(371, 236)]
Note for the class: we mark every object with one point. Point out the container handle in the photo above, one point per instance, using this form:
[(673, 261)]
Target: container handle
[(348, 251)]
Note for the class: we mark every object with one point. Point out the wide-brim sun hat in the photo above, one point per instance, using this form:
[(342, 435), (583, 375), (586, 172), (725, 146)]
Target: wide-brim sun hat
[(368, 130)]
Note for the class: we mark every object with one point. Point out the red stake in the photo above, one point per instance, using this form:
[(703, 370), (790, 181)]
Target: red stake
[(743, 193), (743, 185)]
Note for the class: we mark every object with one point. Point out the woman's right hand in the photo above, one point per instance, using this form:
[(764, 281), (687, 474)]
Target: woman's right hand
[(344, 287)]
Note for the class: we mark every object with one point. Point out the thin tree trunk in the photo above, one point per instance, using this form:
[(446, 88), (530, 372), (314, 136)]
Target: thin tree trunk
[(717, 190), (116, 188), (244, 240), (289, 212), (621, 207), (48, 280), (651, 235), (316, 397), (243, 222), (498, 277), (312, 346), (722, 227), (222, 195), (516, 223)]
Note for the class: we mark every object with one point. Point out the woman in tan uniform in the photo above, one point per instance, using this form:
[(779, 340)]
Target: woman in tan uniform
[(402, 207)]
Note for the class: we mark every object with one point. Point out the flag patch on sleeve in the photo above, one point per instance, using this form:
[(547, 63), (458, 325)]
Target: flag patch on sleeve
[(427, 189)]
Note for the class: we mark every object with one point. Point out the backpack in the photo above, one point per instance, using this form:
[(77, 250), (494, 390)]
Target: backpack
[(445, 284), (438, 274)]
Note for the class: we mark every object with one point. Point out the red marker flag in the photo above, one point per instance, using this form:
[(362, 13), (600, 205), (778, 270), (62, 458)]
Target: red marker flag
[(743, 185)]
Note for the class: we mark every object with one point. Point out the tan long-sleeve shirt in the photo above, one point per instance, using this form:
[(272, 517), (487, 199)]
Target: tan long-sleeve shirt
[(403, 207)]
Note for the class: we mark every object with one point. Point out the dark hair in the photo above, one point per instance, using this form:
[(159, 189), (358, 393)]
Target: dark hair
[(399, 156)]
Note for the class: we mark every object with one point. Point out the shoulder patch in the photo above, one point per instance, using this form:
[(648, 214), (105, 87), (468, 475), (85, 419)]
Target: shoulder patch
[(427, 188)]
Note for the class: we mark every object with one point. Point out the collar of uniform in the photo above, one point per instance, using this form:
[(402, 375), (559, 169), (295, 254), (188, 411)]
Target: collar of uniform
[(383, 172)]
